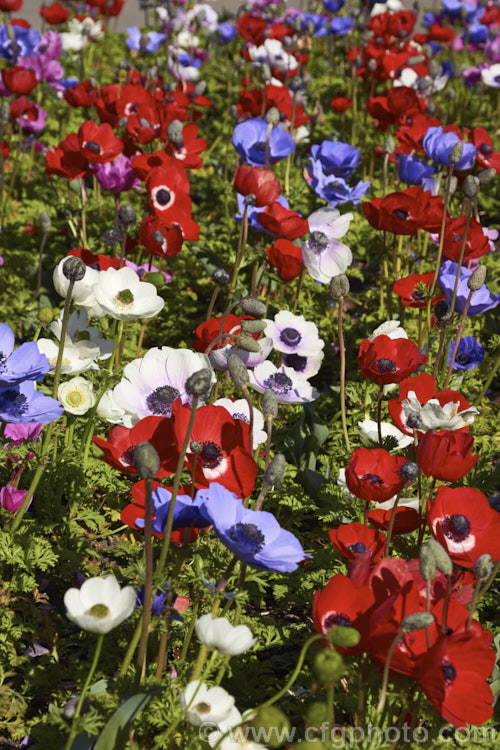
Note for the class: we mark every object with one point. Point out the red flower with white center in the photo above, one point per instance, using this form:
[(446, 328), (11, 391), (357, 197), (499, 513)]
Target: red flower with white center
[(225, 456), (374, 475), (158, 239), (188, 156), (54, 14), (486, 156), (353, 539), (67, 160), (144, 163), (122, 441), (283, 221), (405, 211), (463, 521), (344, 604), (286, 258), (414, 290), (385, 360), (19, 80), (446, 455), (168, 190), (453, 676), (259, 182), (98, 143), (476, 244)]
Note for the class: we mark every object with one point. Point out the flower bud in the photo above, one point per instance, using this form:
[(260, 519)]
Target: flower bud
[(441, 557), (486, 176), (253, 326), (470, 188), (389, 145), (417, 621), (124, 65), (200, 89), (477, 278), (45, 315), (275, 471), (431, 109), (269, 404), (45, 222), (221, 277), (198, 384), (339, 286), (316, 714), (451, 93), (246, 342), (328, 666), (174, 133), (409, 471), (483, 567), (372, 65), (344, 636), (237, 370), (273, 116), (273, 722), (146, 460), (440, 308), (427, 563), (265, 73), (112, 236), (195, 446), (74, 268), (456, 153), (154, 277), (453, 184), (253, 306), (434, 68), (4, 112), (126, 215)]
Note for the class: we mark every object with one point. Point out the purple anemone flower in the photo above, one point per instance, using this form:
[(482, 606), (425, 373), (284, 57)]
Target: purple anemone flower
[(153, 39), (22, 403), (337, 158), (469, 355), (117, 176), (481, 301), (11, 498), (186, 511), (159, 601), (34, 119), (249, 141), (333, 189), (17, 434), (25, 363), (293, 334), (438, 144), (254, 536)]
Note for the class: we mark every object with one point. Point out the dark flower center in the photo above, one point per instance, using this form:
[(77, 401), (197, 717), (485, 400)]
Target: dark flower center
[(161, 399), (290, 336), (279, 383), (449, 672), (163, 197), (485, 149), (418, 296), (296, 361), (385, 365), (247, 536), (210, 455), (457, 237), (337, 618), (400, 214), (373, 479), (242, 417), (497, 79), (3, 360), (13, 403), (93, 146), (462, 358), (358, 548), (456, 527), (318, 241), (127, 457)]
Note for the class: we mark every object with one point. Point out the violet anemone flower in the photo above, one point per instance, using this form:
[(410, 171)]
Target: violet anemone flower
[(438, 144), (186, 511), (337, 158), (254, 536), (323, 255), (249, 141), (152, 40), (22, 403), (470, 353), (116, 176), (11, 498), (25, 363), (481, 301)]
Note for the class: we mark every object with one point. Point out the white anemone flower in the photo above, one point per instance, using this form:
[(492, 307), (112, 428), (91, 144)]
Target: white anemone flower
[(239, 409), (87, 27), (273, 54), (123, 296), (100, 604), (391, 328), (217, 633), (76, 395), (397, 440), (391, 6), (305, 366), (72, 41), (491, 76), (205, 14), (87, 339), (109, 410), (206, 705), (284, 383), (73, 363), (323, 255), (293, 334), (436, 417), (82, 289)]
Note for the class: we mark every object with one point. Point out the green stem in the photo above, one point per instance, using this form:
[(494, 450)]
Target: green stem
[(385, 677), (342, 374), (85, 688), (62, 339), (148, 583)]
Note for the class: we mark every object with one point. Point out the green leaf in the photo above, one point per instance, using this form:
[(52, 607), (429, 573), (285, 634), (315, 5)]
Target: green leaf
[(115, 733)]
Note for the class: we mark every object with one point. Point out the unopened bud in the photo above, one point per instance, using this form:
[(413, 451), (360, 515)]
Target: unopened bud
[(237, 370), (195, 446), (389, 145), (269, 404), (221, 277), (431, 109), (470, 188), (4, 112), (253, 326), (409, 471), (451, 93), (440, 308), (45, 222), (272, 116), (456, 153), (417, 621), (158, 237), (265, 72), (372, 65), (127, 215), (328, 666), (453, 184), (343, 636), (146, 460), (427, 563), (74, 268), (274, 473), (174, 133), (200, 89), (477, 278), (112, 236), (45, 315), (272, 722), (198, 384), (339, 286), (253, 306), (486, 176), (483, 567), (442, 558), (246, 342), (154, 277)]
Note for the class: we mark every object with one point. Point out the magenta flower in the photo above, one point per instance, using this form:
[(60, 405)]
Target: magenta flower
[(116, 176), (11, 498), (18, 433)]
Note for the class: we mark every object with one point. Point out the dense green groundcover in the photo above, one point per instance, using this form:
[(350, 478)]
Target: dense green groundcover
[(74, 522)]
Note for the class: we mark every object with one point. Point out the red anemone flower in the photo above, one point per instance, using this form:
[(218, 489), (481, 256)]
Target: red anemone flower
[(19, 80), (486, 156), (54, 14), (446, 455), (158, 239), (374, 475), (67, 160), (406, 519), (259, 182), (144, 163), (286, 258), (414, 290), (188, 156), (353, 539), (405, 211), (476, 244), (341, 103), (283, 221), (344, 604), (385, 360), (10, 6), (400, 103), (209, 330), (168, 190), (81, 95), (98, 143), (98, 261)]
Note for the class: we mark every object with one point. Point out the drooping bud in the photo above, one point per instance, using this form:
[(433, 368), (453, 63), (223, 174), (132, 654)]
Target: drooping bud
[(417, 621), (470, 188), (221, 277), (409, 471), (442, 558), (427, 563), (265, 72), (253, 306), (477, 278), (275, 471), (269, 404), (339, 286), (389, 145), (174, 133), (483, 567), (246, 342), (146, 460), (198, 384), (74, 268), (273, 116), (45, 222), (126, 215), (237, 370), (112, 236), (154, 277), (195, 446), (486, 176), (253, 326), (328, 666), (344, 636), (45, 315), (456, 153)]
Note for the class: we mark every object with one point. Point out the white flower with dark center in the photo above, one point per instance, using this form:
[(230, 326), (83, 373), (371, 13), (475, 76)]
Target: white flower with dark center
[(292, 334), (100, 604), (218, 357), (151, 384), (392, 438), (491, 76), (323, 256), (436, 417), (391, 328), (239, 410), (206, 705), (76, 395), (219, 634), (87, 27), (305, 366), (284, 383), (124, 296), (272, 53)]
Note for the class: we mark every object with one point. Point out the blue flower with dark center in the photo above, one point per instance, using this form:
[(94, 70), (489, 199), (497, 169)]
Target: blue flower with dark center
[(23, 45), (438, 144), (21, 403), (481, 300), (186, 511), (249, 140), (415, 172), (470, 353), (332, 188), (254, 536), (25, 363), (341, 25), (337, 158)]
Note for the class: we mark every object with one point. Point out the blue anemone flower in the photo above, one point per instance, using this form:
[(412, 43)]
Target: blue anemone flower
[(438, 144), (337, 158), (333, 5), (481, 301), (470, 353), (334, 189), (22, 404), (153, 37), (341, 25), (226, 31), (186, 511), (415, 172), (254, 536), (159, 601), (25, 363), (25, 40), (249, 140)]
